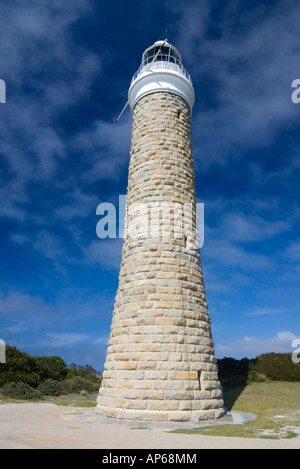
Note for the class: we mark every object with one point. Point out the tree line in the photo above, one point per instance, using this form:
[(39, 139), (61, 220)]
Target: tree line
[(29, 377), (23, 375), (267, 366)]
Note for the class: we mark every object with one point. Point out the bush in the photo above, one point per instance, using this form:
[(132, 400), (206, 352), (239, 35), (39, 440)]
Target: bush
[(20, 391), (51, 367), (268, 366), (50, 387), (276, 366), (85, 372), (77, 384), (254, 376), (19, 367)]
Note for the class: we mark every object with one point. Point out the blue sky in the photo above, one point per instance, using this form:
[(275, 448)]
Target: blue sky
[(67, 66)]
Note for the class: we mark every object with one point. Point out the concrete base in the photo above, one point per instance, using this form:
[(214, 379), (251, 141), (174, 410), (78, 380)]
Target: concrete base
[(230, 418)]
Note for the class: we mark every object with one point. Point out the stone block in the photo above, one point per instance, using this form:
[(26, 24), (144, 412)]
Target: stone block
[(183, 375), (162, 405), (211, 404)]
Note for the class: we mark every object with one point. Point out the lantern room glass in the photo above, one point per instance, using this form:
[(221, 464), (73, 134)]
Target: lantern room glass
[(166, 54)]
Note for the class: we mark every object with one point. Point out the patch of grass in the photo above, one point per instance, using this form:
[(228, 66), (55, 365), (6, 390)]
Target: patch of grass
[(74, 400), (290, 434), (276, 405), (12, 400), (220, 430), (140, 428)]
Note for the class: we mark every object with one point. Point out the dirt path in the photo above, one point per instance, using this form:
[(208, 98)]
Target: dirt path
[(42, 426)]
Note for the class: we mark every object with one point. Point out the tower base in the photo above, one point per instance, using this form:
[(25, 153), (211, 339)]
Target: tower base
[(193, 416)]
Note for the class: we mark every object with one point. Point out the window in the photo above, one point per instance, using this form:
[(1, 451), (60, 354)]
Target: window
[(166, 54), (199, 379)]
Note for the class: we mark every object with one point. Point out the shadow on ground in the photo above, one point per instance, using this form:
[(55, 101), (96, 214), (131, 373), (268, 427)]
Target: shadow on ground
[(230, 395)]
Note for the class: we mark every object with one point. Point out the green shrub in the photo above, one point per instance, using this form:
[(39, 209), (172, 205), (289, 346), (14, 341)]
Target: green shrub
[(20, 391), (19, 367), (276, 366), (254, 376), (51, 367), (85, 372), (50, 387), (268, 366), (77, 384)]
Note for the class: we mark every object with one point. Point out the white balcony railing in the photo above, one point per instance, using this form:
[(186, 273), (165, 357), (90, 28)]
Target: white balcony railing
[(177, 67)]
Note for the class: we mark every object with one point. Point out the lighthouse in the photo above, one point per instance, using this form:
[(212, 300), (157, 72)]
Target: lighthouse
[(160, 364)]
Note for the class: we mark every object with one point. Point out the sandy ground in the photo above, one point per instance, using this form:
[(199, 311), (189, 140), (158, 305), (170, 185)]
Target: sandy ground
[(47, 426)]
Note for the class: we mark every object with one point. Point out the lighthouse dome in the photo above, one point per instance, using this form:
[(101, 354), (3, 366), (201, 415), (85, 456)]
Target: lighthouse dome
[(165, 52), (161, 69)]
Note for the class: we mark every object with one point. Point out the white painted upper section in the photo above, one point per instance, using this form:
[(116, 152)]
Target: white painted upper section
[(163, 73)]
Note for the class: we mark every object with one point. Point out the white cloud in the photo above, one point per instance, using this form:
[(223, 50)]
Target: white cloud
[(267, 311), (251, 347), (38, 52), (14, 302), (230, 226), (104, 252), (250, 64), (107, 147), (292, 251), (66, 339), (224, 253), (102, 340), (25, 312), (242, 227), (79, 205), (28, 27)]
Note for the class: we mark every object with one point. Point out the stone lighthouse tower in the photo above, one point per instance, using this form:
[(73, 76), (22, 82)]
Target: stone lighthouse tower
[(160, 363)]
